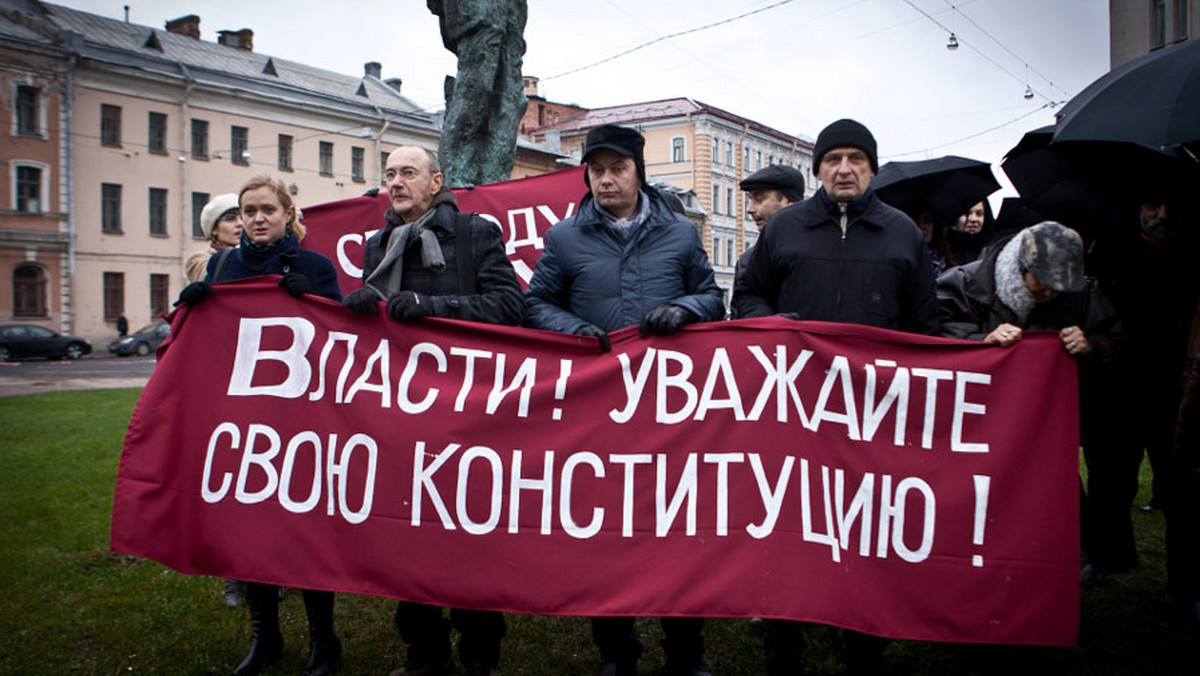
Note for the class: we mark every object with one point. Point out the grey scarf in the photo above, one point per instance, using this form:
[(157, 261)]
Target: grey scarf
[(387, 279), (625, 226)]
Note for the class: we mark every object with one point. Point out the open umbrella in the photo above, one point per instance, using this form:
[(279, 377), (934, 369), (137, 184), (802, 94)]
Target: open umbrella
[(1087, 184), (1153, 100), (946, 186)]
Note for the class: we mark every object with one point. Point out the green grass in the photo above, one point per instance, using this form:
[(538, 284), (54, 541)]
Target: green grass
[(72, 607)]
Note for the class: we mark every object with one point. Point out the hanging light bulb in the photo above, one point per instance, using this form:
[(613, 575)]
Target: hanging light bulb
[(1028, 93), (952, 44)]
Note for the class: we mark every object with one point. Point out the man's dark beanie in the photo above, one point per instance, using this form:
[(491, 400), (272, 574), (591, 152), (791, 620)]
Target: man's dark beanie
[(842, 133), (785, 179), (620, 140)]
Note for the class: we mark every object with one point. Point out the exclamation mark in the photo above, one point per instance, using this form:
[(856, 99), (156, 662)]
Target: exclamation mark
[(982, 484), (560, 389)]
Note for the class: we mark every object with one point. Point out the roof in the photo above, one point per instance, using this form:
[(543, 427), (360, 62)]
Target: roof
[(650, 111), (157, 51)]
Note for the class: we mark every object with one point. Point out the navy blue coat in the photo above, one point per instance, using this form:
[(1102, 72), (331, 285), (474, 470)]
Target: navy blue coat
[(588, 275), (283, 257)]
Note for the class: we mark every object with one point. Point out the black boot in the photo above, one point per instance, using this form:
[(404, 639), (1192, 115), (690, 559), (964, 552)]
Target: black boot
[(266, 642), (326, 648)]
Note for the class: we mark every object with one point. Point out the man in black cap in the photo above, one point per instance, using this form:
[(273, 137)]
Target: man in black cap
[(864, 262), (625, 250), (841, 256), (770, 189)]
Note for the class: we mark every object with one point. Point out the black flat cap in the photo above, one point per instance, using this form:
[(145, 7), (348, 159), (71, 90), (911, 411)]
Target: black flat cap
[(783, 178)]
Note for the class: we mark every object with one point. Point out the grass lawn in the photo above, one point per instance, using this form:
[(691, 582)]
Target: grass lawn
[(72, 607)]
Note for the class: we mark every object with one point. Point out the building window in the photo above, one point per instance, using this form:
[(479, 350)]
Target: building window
[(383, 167), (239, 145), (114, 295), (716, 249), (29, 291), (678, 150), (29, 110), (357, 160), (729, 207), (199, 199), (200, 139), (110, 125), (160, 287), (158, 133), (158, 211), (1181, 20), (285, 152), (325, 163), (1158, 23), (729, 156), (110, 208), (716, 151), (716, 198), (757, 160), (745, 159), (729, 254), (29, 189)]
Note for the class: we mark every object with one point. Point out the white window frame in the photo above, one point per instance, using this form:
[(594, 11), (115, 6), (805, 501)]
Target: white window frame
[(43, 189), (41, 112)]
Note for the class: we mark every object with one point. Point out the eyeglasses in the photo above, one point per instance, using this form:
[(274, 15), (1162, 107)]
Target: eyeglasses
[(407, 173)]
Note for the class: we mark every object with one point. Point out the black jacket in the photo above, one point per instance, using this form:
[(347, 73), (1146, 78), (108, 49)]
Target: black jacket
[(496, 298), (878, 274)]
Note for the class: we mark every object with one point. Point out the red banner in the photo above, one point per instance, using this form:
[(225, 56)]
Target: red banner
[(900, 485), (523, 209)]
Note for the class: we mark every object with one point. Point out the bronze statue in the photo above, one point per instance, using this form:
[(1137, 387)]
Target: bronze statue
[(485, 103)]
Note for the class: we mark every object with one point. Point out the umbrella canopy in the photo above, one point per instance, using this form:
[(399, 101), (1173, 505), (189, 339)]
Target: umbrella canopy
[(1086, 185), (946, 186), (1153, 100)]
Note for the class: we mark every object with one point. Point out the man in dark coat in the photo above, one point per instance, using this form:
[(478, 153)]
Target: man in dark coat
[(626, 258), (431, 261), (842, 255), (770, 189)]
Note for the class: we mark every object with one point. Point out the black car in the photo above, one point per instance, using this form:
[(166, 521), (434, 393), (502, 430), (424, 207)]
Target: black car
[(141, 342), (21, 341)]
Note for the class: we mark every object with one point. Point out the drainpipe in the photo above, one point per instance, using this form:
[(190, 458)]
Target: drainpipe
[(185, 234), (66, 138), (379, 141)]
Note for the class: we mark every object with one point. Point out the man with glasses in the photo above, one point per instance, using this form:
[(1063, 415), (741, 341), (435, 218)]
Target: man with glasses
[(431, 261)]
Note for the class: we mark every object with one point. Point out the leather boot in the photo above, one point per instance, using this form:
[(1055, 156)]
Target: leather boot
[(326, 648), (266, 642)]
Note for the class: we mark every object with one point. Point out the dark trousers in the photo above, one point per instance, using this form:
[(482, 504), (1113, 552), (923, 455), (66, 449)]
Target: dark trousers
[(427, 633), (1112, 460), (618, 642)]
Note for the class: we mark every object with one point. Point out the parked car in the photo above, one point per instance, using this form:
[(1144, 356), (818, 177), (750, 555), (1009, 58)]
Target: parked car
[(141, 342), (21, 341)]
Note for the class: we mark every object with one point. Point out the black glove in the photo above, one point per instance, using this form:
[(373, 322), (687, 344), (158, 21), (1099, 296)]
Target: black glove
[(789, 315), (195, 292), (407, 306), (593, 331), (364, 301), (664, 319), (295, 283)]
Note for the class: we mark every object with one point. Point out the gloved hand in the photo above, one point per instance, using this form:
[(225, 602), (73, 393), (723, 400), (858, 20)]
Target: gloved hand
[(593, 331), (364, 301), (407, 306), (664, 319), (195, 292), (295, 283), (788, 315)]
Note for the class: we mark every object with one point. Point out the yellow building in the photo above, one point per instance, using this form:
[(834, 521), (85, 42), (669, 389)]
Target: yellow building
[(699, 148)]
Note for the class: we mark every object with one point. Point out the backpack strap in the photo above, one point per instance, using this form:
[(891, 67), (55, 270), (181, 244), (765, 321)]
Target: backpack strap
[(464, 254), (221, 258)]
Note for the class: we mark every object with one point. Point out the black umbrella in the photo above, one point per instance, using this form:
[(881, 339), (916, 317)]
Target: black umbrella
[(1086, 185), (1153, 100), (945, 186)]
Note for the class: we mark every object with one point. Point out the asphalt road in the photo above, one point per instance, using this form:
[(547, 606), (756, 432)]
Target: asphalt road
[(92, 372)]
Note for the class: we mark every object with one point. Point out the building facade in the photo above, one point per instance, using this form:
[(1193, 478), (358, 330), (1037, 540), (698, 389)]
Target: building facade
[(699, 149), (1138, 27), (121, 133)]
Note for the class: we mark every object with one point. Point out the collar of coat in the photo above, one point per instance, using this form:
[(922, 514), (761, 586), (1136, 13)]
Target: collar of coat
[(866, 209), (589, 211)]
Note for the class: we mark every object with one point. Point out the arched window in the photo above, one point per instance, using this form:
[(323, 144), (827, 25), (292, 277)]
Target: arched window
[(29, 291)]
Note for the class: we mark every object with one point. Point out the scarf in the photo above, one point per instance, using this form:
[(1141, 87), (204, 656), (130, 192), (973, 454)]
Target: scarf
[(625, 226), (388, 278)]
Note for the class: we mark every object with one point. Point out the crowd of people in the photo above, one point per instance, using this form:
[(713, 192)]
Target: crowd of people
[(1124, 306)]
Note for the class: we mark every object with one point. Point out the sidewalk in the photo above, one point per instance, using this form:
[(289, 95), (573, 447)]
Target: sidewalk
[(15, 381)]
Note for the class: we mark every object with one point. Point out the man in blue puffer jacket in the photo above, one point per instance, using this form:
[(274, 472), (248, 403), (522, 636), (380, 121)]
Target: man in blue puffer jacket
[(625, 258)]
